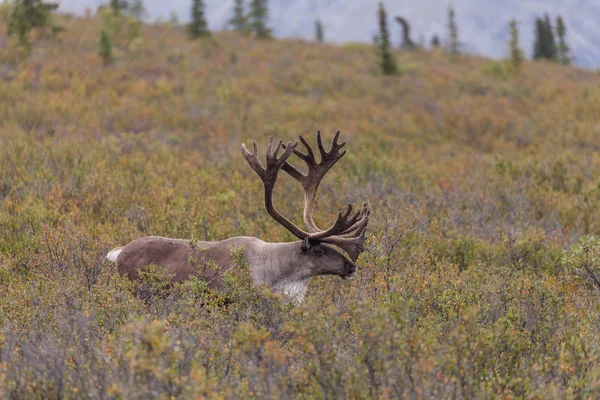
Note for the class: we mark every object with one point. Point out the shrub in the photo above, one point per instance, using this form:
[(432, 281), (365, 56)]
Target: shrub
[(105, 48), (582, 260)]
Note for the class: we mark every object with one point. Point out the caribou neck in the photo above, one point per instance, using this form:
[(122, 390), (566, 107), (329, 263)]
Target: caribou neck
[(273, 263), (280, 266)]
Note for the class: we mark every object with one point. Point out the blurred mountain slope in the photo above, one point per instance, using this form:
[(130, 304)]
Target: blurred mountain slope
[(483, 24)]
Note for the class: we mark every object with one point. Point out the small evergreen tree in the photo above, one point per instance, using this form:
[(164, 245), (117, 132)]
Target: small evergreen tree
[(452, 32), (239, 20), (105, 49), (388, 65), (516, 54), (173, 18), (25, 15), (564, 51), (117, 5), (544, 46), (319, 31), (198, 27), (551, 43), (407, 43), (538, 45), (435, 41), (259, 13), (137, 9), (122, 27)]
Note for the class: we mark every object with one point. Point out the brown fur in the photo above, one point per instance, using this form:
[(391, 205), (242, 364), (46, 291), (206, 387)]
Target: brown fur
[(177, 256), (278, 265)]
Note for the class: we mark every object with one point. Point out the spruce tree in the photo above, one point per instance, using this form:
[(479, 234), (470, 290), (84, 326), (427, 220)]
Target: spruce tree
[(319, 31), (544, 46), (198, 27), (174, 18), (407, 43), (239, 20), (564, 51), (538, 45), (26, 15), (550, 49), (137, 9), (259, 14), (452, 32), (116, 6), (105, 48), (516, 54), (388, 65)]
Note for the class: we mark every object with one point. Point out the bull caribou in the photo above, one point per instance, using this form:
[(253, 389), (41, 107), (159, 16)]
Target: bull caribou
[(285, 267)]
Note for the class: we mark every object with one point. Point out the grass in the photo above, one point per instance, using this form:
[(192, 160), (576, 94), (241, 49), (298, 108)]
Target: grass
[(479, 275)]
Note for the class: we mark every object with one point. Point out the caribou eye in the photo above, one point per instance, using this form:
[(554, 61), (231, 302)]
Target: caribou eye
[(319, 252)]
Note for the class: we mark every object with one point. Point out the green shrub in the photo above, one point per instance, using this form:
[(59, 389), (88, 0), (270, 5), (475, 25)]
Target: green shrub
[(583, 260)]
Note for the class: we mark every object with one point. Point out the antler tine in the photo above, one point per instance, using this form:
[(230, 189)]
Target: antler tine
[(341, 224), (276, 152), (335, 138), (309, 156), (269, 145), (353, 246), (356, 228), (268, 176), (320, 143), (356, 223), (352, 239), (360, 218)]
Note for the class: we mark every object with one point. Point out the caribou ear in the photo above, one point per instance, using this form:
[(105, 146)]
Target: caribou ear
[(305, 245)]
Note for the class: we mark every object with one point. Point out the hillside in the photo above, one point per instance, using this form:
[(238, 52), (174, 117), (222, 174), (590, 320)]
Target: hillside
[(476, 279), (483, 25)]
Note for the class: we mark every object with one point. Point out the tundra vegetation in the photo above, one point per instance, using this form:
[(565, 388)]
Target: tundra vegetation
[(480, 277)]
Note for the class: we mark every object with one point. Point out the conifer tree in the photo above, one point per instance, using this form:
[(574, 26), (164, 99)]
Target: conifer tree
[(105, 49), (319, 31), (516, 54), (239, 20), (538, 45), (116, 6), (435, 41), (388, 65), (564, 51), (26, 15), (259, 14), (198, 27), (174, 18), (544, 46), (137, 9), (407, 43), (551, 43), (452, 32)]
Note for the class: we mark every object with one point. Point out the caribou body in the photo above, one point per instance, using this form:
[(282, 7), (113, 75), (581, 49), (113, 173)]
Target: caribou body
[(285, 267)]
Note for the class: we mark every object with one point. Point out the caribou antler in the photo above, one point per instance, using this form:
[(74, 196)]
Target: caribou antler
[(268, 175), (316, 171), (352, 241), (347, 232)]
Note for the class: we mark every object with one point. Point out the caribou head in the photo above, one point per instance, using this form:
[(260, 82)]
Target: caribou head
[(286, 267)]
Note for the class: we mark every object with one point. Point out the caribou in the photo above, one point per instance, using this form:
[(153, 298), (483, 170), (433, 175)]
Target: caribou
[(285, 267)]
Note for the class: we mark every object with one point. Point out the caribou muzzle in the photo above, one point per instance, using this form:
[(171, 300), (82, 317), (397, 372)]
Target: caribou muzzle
[(349, 270)]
